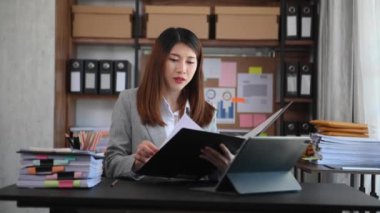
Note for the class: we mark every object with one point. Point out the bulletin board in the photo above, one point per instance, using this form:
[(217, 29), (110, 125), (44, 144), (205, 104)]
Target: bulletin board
[(238, 91), (224, 82)]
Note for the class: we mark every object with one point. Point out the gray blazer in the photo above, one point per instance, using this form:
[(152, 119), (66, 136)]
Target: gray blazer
[(127, 132)]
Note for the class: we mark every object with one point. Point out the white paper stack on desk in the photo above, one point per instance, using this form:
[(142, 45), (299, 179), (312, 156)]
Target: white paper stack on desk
[(347, 151), (59, 168)]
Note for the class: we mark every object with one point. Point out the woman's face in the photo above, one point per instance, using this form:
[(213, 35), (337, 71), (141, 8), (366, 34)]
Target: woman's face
[(180, 67)]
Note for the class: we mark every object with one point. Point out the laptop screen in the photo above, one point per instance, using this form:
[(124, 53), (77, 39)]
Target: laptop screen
[(264, 164), (277, 153)]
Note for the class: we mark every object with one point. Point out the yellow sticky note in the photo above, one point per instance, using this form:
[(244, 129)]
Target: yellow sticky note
[(263, 134), (255, 70)]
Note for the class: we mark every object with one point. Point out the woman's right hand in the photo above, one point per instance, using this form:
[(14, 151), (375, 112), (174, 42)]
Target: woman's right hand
[(145, 150), (220, 160)]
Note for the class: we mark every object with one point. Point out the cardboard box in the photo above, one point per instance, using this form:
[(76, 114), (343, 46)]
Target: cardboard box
[(102, 22), (194, 18), (252, 23)]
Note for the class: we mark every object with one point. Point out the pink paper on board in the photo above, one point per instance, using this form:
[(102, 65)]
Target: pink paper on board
[(258, 119), (228, 74), (246, 120)]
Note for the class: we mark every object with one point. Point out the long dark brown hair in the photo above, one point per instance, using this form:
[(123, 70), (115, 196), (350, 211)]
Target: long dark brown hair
[(149, 94)]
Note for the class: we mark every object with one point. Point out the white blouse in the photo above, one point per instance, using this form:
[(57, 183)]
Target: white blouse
[(169, 117)]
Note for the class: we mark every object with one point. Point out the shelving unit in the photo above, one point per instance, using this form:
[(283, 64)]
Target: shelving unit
[(308, 46), (66, 49), (130, 42)]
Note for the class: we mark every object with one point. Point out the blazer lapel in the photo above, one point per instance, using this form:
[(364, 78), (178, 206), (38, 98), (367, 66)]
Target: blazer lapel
[(157, 134)]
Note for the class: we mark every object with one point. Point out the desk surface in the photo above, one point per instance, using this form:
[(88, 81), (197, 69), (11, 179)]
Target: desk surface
[(175, 196), (312, 167)]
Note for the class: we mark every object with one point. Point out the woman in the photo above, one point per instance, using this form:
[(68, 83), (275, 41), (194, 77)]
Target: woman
[(144, 117)]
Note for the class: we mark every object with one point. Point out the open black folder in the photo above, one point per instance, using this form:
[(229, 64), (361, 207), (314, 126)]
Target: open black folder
[(179, 157)]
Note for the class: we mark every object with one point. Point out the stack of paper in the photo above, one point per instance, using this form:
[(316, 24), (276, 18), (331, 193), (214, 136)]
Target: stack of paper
[(59, 168), (347, 151), (338, 128)]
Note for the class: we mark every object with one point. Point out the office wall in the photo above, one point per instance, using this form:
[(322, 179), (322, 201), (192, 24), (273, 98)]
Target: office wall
[(27, 33)]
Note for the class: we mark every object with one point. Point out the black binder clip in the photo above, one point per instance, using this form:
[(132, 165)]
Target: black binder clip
[(73, 141)]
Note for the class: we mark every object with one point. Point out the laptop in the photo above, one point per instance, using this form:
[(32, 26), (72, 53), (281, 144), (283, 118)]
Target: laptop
[(179, 157), (263, 165)]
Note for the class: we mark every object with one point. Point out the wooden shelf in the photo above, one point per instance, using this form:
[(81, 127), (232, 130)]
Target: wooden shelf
[(215, 2), (240, 43), (296, 100), (205, 43), (225, 43), (146, 42), (115, 41), (299, 100), (92, 96), (299, 42)]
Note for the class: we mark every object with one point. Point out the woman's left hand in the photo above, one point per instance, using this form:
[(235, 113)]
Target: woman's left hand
[(221, 160)]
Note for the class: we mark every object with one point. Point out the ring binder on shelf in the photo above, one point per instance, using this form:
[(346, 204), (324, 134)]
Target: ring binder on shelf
[(306, 21), (76, 75), (122, 75), (291, 88), (290, 128), (305, 80), (91, 76), (304, 128), (291, 21), (106, 77)]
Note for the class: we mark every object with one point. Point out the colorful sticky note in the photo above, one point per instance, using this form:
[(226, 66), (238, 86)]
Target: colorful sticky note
[(255, 70), (258, 119), (238, 100), (246, 120), (228, 74), (263, 134)]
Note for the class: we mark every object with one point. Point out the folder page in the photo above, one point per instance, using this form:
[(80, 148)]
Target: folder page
[(184, 122)]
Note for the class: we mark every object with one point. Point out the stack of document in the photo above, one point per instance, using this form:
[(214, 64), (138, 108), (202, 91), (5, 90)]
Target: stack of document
[(59, 168), (347, 151), (339, 128)]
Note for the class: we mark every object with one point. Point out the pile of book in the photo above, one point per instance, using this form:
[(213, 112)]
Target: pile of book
[(339, 128), (59, 168), (338, 151)]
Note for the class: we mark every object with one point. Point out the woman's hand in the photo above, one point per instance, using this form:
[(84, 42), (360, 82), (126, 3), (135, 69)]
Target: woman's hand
[(221, 160), (145, 150)]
